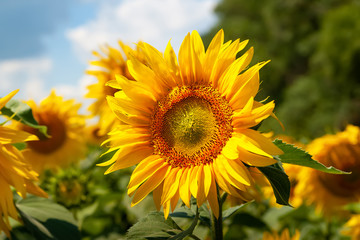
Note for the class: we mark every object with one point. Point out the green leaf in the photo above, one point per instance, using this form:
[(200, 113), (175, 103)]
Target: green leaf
[(20, 111), (279, 182), (297, 156), (153, 226), (246, 219), (353, 207), (105, 157), (230, 211), (47, 220)]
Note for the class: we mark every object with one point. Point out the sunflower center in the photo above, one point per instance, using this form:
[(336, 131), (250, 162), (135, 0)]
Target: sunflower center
[(345, 186), (191, 125), (55, 128)]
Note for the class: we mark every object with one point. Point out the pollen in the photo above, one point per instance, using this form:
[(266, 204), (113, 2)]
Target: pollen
[(191, 125)]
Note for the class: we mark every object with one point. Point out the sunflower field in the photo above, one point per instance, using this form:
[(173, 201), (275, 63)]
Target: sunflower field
[(195, 144)]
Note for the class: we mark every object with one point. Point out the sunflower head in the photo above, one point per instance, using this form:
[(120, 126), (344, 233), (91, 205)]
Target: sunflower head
[(110, 63), (15, 171), (187, 122), (327, 191), (65, 142)]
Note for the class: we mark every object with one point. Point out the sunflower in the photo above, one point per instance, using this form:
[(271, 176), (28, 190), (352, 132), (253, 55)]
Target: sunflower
[(114, 62), (330, 192), (14, 171), (352, 227), (285, 235), (186, 123), (66, 143)]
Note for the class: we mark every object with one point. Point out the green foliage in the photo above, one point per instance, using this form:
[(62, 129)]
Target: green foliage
[(297, 156), (47, 220), (314, 48), (20, 111), (279, 182), (153, 226)]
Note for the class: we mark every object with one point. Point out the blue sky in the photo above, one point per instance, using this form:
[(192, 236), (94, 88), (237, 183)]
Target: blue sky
[(47, 44)]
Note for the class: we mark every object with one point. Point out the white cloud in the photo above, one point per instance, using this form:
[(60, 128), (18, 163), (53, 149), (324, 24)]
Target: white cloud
[(28, 75), (152, 21), (77, 91)]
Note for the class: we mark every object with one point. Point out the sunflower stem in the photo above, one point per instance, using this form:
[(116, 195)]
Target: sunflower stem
[(217, 223), (190, 230)]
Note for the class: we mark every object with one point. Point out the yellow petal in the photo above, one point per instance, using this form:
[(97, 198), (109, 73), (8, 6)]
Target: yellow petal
[(200, 193), (174, 200), (171, 184), (166, 209), (127, 157), (7, 98), (262, 142), (10, 136), (143, 171), (230, 150), (247, 85), (157, 193), (220, 164), (237, 170), (153, 182), (249, 144), (184, 189), (193, 181), (253, 159), (207, 179)]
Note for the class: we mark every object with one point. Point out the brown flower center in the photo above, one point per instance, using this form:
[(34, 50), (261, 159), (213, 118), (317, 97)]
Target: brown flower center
[(56, 129), (191, 125), (346, 186)]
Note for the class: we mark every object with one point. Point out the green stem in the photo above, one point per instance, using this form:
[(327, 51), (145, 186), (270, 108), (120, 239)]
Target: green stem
[(217, 223), (189, 231), (328, 230)]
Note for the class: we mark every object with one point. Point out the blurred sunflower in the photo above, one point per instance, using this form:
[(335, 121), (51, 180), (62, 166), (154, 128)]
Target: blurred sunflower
[(285, 235), (352, 227), (187, 124), (113, 62), (14, 171), (330, 192), (66, 143)]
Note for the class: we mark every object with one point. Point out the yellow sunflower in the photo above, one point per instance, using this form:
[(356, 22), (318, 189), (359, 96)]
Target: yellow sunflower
[(329, 192), (285, 235), (352, 227), (14, 171), (66, 143), (112, 63), (186, 123)]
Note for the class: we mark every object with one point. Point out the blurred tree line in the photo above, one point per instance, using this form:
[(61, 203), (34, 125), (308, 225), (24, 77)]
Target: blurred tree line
[(314, 47)]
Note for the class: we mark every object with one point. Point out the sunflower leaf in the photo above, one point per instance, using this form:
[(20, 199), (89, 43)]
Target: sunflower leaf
[(230, 211), (46, 219), (21, 112), (279, 182), (153, 226), (297, 156)]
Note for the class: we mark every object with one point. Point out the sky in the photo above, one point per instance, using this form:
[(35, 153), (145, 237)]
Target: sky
[(48, 45)]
